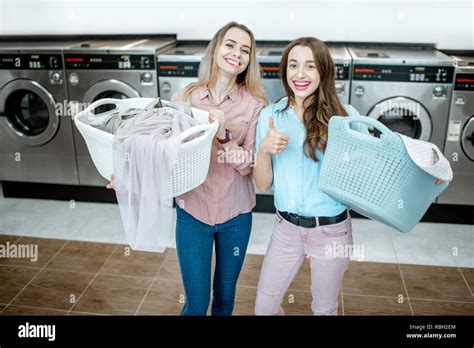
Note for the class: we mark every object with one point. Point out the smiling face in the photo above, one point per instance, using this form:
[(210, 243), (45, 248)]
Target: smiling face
[(233, 55), (301, 74)]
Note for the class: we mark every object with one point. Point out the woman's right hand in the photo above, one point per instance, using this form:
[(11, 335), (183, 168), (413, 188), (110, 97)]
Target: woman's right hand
[(111, 184), (219, 116), (273, 142)]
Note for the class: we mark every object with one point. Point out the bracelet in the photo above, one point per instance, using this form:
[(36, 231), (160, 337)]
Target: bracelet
[(228, 137)]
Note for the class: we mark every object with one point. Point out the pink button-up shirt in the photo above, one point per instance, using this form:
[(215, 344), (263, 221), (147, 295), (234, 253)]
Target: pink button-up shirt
[(228, 189)]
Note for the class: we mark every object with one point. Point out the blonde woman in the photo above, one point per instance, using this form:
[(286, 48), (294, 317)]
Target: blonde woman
[(218, 213)]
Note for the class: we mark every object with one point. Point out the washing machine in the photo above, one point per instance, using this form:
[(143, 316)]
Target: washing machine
[(36, 137), (269, 56), (178, 67), (109, 69), (407, 89), (459, 148), (343, 62)]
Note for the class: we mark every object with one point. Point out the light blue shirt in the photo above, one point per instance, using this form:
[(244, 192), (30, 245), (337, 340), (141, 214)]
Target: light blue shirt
[(296, 176)]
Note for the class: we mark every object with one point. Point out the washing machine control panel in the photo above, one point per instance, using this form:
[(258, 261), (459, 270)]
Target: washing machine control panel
[(272, 71), (342, 72), (403, 73), (464, 82), (109, 61), (178, 69), (30, 61)]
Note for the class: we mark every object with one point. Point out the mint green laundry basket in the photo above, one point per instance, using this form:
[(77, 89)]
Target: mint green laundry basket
[(375, 176)]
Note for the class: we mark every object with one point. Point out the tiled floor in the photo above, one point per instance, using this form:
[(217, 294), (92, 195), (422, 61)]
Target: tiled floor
[(86, 278), (433, 244), (85, 267)]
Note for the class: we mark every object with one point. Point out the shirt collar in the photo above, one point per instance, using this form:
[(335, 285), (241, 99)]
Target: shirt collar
[(280, 105), (233, 95), (203, 93)]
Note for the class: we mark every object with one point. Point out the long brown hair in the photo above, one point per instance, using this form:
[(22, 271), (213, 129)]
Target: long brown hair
[(324, 101), (250, 77)]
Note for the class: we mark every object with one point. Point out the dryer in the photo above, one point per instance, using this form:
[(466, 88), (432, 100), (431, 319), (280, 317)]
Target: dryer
[(109, 69), (459, 148), (36, 138), (407, 89)]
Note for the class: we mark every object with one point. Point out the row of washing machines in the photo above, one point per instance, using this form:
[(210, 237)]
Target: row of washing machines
[(419, 92)]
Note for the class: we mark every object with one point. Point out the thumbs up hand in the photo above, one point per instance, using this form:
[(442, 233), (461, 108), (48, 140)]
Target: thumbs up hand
[(274, 142)]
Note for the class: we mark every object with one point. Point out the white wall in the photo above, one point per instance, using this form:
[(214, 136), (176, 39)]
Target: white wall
[(449, 24)]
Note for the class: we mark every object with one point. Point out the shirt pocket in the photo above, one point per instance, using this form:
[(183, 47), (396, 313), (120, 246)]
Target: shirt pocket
[(239, 129)]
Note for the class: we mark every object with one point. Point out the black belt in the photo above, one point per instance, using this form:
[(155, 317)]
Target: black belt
[(310, 222)]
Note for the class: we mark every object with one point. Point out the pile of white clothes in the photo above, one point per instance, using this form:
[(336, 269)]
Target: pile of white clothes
[(145, 149), (110, 123), (428, 157)]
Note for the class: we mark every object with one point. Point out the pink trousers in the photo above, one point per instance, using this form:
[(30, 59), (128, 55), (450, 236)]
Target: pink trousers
[(328, 248)]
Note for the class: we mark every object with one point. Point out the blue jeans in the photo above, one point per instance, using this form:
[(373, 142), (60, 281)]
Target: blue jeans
[(194, 244)]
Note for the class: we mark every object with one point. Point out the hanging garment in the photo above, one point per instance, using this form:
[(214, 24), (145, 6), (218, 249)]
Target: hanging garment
[(146, 148), (428, 157)]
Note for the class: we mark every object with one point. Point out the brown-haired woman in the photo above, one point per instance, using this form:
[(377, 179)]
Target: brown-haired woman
[(292, 135)]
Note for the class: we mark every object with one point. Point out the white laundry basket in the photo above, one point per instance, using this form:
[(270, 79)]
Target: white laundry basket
[(194, 156)]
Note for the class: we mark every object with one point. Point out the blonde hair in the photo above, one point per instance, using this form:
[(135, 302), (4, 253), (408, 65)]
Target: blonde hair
[(207, 76)]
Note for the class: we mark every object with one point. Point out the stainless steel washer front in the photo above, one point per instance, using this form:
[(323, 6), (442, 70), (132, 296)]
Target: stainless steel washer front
[(109, 69), (30, 111), (343, 61), (407, 89), (36, 138), (178, 67), (459, 149), (405, 116)]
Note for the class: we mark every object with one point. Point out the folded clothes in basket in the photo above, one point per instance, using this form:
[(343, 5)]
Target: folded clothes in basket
[(428, 157), (113, 121), (145, 149)]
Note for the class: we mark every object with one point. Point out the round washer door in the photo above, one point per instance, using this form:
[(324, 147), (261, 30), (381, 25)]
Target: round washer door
[(109, 89), (29, 113), (467, 140), (405, 116)]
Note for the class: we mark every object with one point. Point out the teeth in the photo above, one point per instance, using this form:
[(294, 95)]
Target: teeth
[(231, 61), (302, 84)]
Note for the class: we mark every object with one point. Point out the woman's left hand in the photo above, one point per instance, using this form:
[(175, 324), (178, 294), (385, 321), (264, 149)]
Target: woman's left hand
[(220, 117), (111, 184), (439, 181)]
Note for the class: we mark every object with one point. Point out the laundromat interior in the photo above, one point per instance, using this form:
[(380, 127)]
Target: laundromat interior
[(408, 65)]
